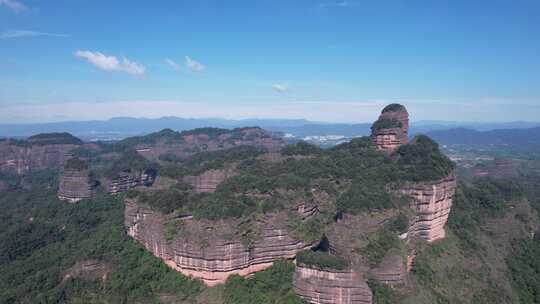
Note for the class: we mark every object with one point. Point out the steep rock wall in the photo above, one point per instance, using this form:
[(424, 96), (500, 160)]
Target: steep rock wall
[(209, 180), (388, 139), (21, 159), (213, 259), (431, 202), (127, 180), (392, 269), (391, 130), (76, 185), (330, 286), (190, 144)]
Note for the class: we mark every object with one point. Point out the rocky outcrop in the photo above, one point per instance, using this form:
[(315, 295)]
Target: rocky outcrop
[(21, 157), (391, 130), (210, 251), (392, 269), (331, 286), (209, 180), (76, 185), (431, 202), (128, 180), (182, 145)]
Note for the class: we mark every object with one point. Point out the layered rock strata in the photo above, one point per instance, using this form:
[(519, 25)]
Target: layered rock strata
[(207, 250), (128, 180), (391, 130), (431, 202), (392, 269), (331, 286), (185, 144), (209, 180), (76, 185), (22, 158)]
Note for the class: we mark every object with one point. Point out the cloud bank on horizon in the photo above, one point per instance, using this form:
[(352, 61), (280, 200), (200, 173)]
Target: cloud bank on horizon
[(345, 112), (319, 60)]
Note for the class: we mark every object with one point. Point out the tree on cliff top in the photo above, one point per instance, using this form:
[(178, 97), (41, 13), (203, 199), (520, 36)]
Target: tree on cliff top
[(394, 107), (421, 160), (386, 123)]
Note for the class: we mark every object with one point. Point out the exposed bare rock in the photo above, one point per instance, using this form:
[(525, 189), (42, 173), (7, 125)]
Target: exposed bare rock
[(209, 180), (431, 202), (330, 286), (391, 270), (128, 180), (391, 130), (185, 144), (76, 184), (307, 209), (210, 251), (22, 157)]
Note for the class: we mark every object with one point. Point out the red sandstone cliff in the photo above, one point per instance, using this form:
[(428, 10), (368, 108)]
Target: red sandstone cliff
[(210, 251), (391, 130), (331, 286), (38, 152), (76, 185), (209, 180), (187, 144), (431, 202), (21, 159), (128, 180)]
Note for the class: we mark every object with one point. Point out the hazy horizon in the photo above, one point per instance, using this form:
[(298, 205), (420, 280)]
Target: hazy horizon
[(413, 121)]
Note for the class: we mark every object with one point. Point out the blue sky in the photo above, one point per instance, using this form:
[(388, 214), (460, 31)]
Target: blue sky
[(321, 60)]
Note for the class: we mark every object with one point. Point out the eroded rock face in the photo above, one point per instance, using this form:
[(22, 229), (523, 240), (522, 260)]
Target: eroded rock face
[(205, 250), (209, 180), (330, 286), (76, 185), (392, 269), (21, 159), (192, 143), (391, 130), (431, 202), (128, 180)]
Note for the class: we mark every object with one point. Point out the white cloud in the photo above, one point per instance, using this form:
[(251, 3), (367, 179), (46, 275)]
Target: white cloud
[(111, 63), (24, 33), (172, 64), (193, 65), (281, 88), (14, 5)]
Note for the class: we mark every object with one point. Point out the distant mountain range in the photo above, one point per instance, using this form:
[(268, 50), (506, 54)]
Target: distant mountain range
[(121, 127)]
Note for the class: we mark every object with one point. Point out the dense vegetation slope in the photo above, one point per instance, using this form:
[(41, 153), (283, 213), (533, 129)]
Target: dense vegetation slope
[(43, 241)]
